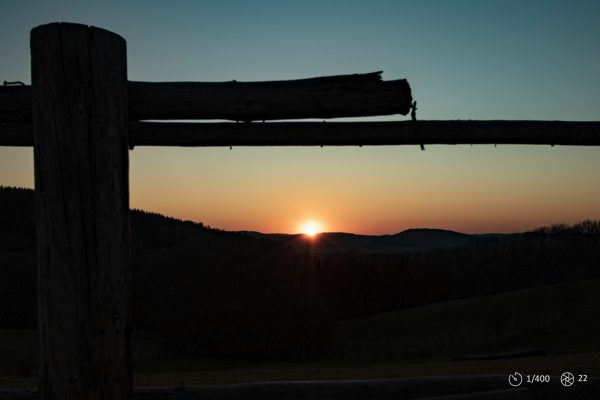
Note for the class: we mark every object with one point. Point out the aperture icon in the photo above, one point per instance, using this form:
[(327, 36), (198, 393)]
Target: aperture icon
[(567, 379)]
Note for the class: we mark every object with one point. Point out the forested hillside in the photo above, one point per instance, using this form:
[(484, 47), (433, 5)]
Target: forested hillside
[(262, 296)]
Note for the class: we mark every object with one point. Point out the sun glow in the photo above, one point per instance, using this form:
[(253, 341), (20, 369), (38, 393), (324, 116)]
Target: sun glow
[(311, 228)]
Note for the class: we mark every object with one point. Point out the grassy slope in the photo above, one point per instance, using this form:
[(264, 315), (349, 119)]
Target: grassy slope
[(561, 317)]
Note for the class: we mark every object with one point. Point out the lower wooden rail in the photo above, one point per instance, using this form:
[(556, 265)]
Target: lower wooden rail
[(575, 133)]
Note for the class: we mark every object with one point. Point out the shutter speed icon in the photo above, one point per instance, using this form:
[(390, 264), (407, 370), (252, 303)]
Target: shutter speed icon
[(515, 379)]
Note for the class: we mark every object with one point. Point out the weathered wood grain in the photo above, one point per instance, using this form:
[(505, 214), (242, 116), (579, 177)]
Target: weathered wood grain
[(79, 76), (325, 97)]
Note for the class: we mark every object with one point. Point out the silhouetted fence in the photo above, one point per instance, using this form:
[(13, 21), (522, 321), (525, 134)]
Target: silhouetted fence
[(586, 133), (81, 115)]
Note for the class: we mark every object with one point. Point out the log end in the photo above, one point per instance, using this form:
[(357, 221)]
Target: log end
[(405, 97)]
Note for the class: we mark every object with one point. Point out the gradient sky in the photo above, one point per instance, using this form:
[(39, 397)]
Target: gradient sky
[(464, 60)]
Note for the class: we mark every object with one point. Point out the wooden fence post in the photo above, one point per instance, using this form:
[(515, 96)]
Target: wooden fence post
[(79, 79)]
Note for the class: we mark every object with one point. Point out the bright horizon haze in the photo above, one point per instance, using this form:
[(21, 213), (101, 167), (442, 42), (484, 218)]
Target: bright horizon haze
[(513, 60)]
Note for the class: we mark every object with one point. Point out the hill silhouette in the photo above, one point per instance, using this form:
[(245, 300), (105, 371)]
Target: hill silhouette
[(275, 296), (151, 231), (421, 239)]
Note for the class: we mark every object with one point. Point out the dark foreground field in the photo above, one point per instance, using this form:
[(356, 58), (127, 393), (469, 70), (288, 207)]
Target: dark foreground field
[(405, 348), (428, 388)]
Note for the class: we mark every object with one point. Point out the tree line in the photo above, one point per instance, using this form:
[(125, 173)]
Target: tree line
[(233, 295)]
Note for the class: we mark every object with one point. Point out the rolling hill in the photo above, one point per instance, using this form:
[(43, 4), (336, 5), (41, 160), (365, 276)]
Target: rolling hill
[(151, 231), (553, 317)]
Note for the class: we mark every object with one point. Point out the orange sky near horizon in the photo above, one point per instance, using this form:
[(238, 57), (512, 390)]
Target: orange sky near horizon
[(368, 190), (371, 190)]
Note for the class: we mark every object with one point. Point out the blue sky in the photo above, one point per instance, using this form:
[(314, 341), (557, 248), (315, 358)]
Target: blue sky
[(463, 59)]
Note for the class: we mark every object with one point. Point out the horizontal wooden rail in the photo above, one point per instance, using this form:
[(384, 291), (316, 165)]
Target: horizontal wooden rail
[(355, 95), (366, 133), (586, 133), (15, 104), (16, 134)]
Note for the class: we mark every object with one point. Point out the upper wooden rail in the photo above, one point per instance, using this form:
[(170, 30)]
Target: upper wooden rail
[(355, 95)]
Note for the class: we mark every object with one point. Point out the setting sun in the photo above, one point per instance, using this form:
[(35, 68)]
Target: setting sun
[(311, 228)]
